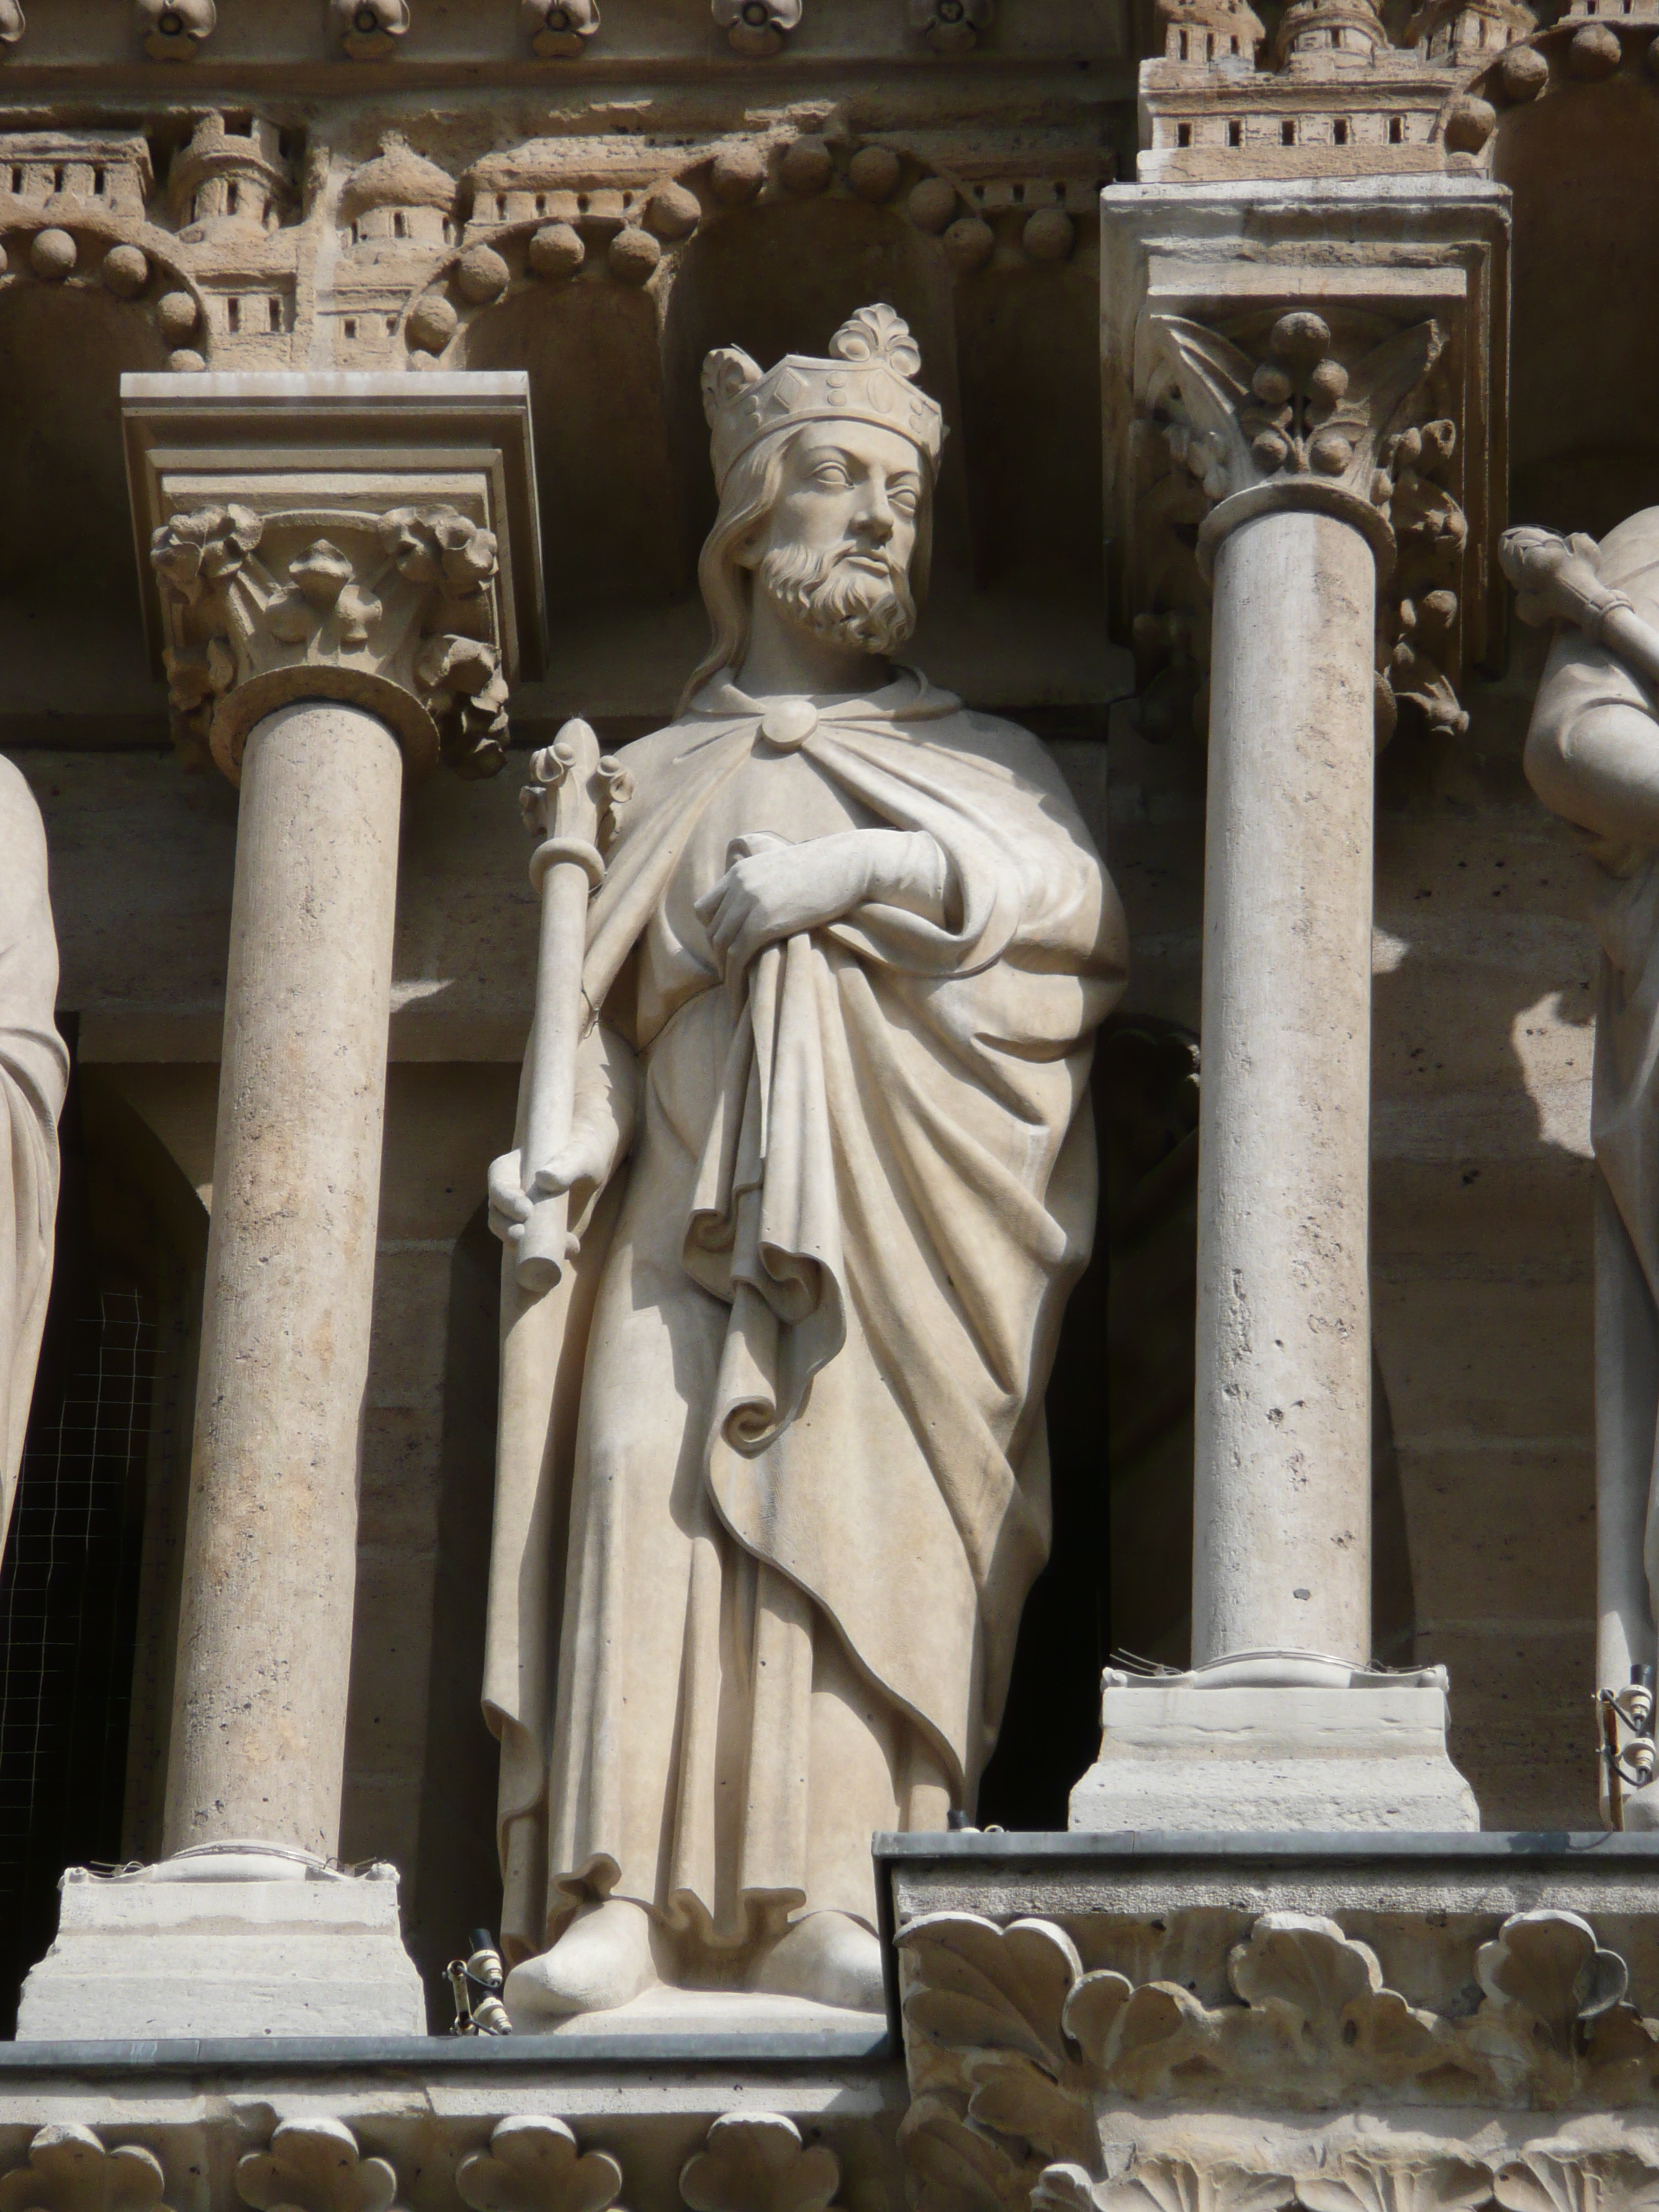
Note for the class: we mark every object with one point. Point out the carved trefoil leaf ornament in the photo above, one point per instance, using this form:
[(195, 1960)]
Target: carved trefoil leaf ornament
[(559, 30), (1550, 1964), (535, 2165), (69, 2169), (952, 27), (315, 2165), (172, 30), (1321, 1995), (396, 610), (368, 30), (758, 2162), (757, 27)]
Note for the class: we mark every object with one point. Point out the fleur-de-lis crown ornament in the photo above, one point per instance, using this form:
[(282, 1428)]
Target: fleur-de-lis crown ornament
[(868, 378)]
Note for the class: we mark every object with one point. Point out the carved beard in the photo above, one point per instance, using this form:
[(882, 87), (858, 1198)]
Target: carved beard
[(825, 594)]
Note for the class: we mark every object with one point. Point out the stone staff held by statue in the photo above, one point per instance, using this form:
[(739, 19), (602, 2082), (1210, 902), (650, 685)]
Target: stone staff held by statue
[(574, 791)]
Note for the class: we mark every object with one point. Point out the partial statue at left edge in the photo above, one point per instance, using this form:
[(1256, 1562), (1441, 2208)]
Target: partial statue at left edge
[(33, 1076)]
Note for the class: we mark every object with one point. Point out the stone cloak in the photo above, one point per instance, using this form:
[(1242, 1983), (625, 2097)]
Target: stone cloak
[(895, 1193)]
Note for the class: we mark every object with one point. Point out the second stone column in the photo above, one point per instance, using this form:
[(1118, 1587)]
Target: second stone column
[(1295, 437)]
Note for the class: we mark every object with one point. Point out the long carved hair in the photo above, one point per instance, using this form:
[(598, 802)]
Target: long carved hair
[(751, 492)]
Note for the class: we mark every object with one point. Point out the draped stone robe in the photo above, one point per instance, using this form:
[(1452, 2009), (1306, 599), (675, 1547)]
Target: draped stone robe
[(1579, 676), (773, 1477), (33, 1076)]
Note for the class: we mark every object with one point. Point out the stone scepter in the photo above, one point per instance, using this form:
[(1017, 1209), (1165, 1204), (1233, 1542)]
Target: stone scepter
[(576, 793)]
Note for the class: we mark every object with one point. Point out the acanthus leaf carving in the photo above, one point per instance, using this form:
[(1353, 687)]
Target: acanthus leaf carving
[(465, 692), (1169, 2184), (983, 1985), (957, 2166), (1298, 411), (757, 2162), (69, 2169), (190, 551), (315, 2165), (1309, 420), (535, 2165), (1016, 2097), (401, 604), (1545, 2180), (1356, 2181), (1139, 2042)]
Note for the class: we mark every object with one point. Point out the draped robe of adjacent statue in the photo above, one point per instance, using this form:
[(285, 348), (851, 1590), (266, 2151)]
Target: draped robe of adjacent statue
[(1578, 676), (773, 1476), (33, 1076)]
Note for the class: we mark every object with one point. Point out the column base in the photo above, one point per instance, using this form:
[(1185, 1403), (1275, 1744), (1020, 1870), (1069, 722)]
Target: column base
[(235, 1939), (1271, 1740)]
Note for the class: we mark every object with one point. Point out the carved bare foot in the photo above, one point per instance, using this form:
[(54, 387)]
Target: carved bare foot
[(829, 1957), (601, 1961)]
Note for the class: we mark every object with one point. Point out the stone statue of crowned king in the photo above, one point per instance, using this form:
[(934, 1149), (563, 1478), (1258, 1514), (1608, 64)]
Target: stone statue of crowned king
[(773, 1474)]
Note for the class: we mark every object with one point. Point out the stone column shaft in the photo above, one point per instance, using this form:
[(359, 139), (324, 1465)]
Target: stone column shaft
[(264, 1642), (1282, 1534), (343, 577)]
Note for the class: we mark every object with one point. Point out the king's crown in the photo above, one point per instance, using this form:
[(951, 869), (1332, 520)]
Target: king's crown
[(867, 378)]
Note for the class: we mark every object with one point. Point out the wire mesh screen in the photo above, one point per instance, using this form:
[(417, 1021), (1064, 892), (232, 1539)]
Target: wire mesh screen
[(68, 1587)]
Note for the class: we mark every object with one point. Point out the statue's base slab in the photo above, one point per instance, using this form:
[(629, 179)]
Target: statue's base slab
[(227, 1940), (722, 2012), (1274, 1740)]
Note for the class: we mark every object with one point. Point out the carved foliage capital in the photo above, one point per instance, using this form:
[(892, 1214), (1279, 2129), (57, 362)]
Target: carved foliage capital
[(393, 606), (1345, 425)]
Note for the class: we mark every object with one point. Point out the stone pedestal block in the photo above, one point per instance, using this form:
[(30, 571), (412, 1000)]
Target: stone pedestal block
[(1266, 1741), (215, 1943)]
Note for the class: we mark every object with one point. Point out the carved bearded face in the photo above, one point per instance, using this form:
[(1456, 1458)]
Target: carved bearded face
[(833, 550)]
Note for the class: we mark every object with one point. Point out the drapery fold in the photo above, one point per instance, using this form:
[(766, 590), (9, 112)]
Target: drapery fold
[(863, 1187)]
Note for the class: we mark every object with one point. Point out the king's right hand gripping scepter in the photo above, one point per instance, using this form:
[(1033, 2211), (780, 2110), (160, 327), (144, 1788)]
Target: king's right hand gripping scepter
[(574, 790)]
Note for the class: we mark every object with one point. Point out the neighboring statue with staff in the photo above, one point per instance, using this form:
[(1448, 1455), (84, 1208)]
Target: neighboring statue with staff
[(1592, 755), (773, 1474)]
